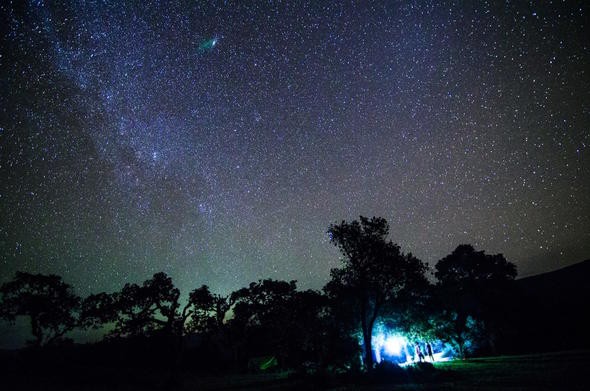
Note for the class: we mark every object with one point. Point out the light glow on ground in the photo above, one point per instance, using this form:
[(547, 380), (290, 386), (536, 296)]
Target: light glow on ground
[(398, 349)]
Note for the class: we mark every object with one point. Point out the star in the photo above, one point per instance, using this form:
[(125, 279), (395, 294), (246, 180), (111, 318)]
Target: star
[(218, 142)]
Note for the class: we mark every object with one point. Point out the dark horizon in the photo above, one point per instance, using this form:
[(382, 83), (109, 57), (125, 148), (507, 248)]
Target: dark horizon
[(379, 320), (13, 337)]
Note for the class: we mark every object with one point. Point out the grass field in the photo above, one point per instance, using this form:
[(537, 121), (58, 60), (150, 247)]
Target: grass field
[(550, 371)]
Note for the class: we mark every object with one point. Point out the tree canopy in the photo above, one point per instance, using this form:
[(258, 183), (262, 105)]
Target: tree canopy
[(472, 289), (376, 283), (374, 273), (49, 302)]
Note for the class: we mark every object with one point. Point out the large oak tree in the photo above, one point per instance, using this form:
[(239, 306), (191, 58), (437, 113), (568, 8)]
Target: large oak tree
[(375, 273), (49, 303), (473, 290)]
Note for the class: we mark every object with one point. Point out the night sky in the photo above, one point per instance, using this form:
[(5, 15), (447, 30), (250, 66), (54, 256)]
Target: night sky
[(217, 142)]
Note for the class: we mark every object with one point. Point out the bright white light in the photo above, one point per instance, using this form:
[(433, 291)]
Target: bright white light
[(398, 349), (394, 345), (390, 345)]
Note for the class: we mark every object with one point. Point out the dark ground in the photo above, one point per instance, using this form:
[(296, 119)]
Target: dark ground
[(547, 371)]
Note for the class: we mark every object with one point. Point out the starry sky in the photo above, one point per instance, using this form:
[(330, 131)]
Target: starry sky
[(217, 141)]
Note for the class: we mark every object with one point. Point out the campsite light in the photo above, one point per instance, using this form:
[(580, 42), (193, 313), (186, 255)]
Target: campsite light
[(394, 344), (395, 347)]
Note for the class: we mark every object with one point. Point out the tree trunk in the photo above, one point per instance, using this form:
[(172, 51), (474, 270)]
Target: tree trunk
[(460, 330), (368, 349), (36, 331), (367, 326)]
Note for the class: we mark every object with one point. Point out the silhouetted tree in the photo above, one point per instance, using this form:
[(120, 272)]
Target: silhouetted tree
[(154, 309), (49, 302), (261, 317), (413, 312), (221, 306), (306, 327), (375, 273), (261, 301), (97, 310), (339, 346), (144, 309), (205, 311), (321, 332), (465, 267), (472, 287), (456, 328)]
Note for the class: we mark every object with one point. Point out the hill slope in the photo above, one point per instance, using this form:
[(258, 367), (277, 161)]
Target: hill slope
[(553, 309)]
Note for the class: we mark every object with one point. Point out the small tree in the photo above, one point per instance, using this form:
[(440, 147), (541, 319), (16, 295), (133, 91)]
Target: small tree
[(145, 309), (49, 302), (154, 307), (459, 330), (261, 315), (472, 288), (205, 311), (97, 310), (375, 273)]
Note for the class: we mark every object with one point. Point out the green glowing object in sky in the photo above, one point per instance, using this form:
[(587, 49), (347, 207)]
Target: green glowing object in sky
[(207, 45)]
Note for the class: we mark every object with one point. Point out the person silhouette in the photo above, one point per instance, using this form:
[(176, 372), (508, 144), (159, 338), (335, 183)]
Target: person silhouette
[(419, 354), (429, 351)]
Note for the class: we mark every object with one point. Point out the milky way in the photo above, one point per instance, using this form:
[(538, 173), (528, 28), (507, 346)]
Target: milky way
[(217, 142)]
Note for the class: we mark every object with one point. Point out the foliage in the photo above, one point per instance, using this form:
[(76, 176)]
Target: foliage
[(465, 267), (262, 302), (145, 309), (302, 329), (375, 273), (463, 334), (49, 302), (262, 318), (97, 310), (154, 308), (472, 290), (206, 311)]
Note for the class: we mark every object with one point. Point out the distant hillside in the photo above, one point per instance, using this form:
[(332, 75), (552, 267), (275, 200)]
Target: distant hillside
[(571, 283), (553, 309)]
